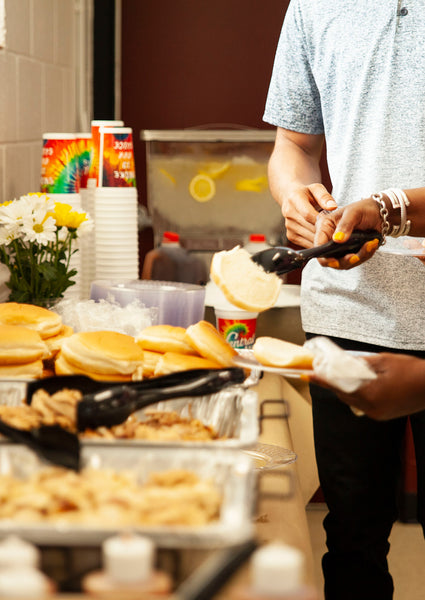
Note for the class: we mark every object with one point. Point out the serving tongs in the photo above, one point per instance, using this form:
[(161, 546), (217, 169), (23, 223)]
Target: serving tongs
[(281, 259), (108, 406), (50, 442)]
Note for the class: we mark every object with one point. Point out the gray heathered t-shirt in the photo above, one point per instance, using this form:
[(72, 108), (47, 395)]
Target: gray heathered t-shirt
[(355, 70)]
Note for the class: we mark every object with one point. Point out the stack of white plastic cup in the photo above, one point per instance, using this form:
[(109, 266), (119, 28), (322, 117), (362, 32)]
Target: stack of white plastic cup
[(116, 233), (115, 202)]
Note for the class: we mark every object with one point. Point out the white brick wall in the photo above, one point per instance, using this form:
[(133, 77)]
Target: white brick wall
[(39, 81)]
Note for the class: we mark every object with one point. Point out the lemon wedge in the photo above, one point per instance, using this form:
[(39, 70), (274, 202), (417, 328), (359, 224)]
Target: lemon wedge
[(252, 185), (214, 169), (168, 175), (202, 188)]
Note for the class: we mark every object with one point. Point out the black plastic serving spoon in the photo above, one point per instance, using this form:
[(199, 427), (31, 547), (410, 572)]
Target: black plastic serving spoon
[(281, 259)]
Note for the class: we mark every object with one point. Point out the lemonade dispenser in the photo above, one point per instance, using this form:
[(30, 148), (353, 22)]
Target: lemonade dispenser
[(210, 186)]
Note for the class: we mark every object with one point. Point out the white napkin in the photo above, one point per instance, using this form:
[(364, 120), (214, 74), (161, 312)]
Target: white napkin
[(344, 370)]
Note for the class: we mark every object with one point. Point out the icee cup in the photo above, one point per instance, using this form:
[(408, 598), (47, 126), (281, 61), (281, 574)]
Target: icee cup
[(236, 326)]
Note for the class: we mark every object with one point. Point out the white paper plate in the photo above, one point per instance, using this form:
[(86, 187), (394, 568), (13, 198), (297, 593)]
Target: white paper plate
[(246, 360)]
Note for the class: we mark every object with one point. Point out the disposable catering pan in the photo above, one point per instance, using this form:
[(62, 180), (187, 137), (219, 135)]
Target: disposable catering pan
[(230, 472), (232, 413)]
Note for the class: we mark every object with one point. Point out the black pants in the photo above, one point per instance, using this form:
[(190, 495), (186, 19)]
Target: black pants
[(359, 464)]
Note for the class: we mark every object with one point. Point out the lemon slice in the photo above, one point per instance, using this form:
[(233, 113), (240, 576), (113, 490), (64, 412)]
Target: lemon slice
[(257, 184), (168, 175), (214, 169), (202, 188)]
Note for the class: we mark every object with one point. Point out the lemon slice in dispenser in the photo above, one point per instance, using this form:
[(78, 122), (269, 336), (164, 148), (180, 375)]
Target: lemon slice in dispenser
[(202, 188), (214, 169)]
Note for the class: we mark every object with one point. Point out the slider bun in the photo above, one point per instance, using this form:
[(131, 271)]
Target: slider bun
[(20, 345), (62, 367), (244, 283), (273, 352), (210, 344), (171, 362), (150, 360), (30, 370), (55, 342), (165, 338), (102, 352), (45, 321)]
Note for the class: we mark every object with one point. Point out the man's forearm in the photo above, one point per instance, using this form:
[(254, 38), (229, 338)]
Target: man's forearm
[(294, 163)]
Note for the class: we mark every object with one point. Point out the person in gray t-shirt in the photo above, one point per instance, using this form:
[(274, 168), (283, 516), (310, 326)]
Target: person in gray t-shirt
[(353, 74)]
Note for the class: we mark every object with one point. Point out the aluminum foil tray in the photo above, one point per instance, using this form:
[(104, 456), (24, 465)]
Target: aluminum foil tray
[(232, 412), (232, 472)]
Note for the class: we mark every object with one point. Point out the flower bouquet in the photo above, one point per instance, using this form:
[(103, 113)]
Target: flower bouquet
[(37, 240)]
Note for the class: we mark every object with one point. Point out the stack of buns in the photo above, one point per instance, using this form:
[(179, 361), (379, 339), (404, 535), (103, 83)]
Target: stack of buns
[(30, 336), (34, 343), (169, 348), (101, 355)]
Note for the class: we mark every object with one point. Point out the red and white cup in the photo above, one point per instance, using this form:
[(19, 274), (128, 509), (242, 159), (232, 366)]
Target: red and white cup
[(237, 327)]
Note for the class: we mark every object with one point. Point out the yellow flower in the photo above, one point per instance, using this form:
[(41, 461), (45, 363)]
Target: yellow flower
[(66, 217)]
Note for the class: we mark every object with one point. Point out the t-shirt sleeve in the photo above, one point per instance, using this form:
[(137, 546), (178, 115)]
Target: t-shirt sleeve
[(293, 100)]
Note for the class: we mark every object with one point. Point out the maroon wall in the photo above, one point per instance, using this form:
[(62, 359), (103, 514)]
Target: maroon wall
[(188, 63)]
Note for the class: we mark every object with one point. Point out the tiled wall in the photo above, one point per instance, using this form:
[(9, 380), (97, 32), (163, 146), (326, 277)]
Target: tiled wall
[(38, 87)]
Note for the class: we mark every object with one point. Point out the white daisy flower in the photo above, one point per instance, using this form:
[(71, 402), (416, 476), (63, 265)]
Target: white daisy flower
[(40, 232)]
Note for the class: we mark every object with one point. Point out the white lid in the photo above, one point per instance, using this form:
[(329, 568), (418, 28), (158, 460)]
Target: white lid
[(128, 557), (277, 569), (14, 551), (208, 135), (23, 582), (59, 136)]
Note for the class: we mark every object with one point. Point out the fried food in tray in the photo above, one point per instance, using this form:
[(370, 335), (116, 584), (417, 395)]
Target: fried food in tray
[(178, 497), (95, 496), (60, 409)]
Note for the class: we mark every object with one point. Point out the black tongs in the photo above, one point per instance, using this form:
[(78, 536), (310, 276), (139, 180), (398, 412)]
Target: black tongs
[(50, 442), (282, 260), (106, 405)]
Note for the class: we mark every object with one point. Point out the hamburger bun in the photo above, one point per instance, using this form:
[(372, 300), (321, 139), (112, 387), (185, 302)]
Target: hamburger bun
[(30, 370), (171, 362), (273, 352), (164, 338), (105, 353), (63, 367), (150, 360), (54, 343), (46, 322), (244, 283), (20, 345), (205, 338)]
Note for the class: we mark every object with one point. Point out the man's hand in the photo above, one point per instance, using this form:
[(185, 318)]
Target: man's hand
[(301, 209)]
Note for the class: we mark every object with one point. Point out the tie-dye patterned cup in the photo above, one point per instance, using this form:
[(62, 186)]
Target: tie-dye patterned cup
[(60, 172), (237, 327)]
